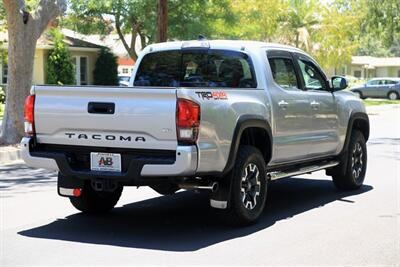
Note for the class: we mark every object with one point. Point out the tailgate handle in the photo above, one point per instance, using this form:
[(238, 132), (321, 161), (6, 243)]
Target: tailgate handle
[(101, 108)]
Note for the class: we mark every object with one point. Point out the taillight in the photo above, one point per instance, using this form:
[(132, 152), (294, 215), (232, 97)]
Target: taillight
[(187, 121), (29, 115)]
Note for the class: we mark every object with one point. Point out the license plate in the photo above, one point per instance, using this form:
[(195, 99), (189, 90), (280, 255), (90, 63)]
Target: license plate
[(106, 162)]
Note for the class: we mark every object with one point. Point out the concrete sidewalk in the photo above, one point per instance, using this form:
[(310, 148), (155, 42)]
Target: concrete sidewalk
[(9, 154)]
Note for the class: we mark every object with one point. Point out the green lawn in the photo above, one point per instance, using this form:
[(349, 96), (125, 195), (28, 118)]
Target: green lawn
[(378, 102), (1, 111)]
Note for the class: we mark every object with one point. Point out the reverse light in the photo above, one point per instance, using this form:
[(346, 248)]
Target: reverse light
[(187, 121), (29, 115)]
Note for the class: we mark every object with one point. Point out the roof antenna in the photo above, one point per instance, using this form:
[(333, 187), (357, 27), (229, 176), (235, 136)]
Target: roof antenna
[(201, 37)]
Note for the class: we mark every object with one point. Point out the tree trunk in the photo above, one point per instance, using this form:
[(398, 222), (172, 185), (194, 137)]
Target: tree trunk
[(22, 37), (130, 49), (162, 21)]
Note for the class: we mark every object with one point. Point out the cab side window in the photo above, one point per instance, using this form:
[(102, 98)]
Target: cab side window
[(312, 77), (284, 73)]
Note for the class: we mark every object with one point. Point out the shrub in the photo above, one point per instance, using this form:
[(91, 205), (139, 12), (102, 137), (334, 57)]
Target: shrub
[(59, 67), (106, 69)]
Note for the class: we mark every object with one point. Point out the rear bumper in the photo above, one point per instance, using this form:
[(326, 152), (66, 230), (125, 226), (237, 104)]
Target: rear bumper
[(137, 168)]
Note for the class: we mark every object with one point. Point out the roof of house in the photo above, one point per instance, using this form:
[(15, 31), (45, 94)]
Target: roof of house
[(45, 41), (125, 61), (112, 41), (373, 62)]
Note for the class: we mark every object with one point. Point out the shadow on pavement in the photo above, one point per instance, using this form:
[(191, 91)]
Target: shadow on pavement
[(19, 175), (184, 221)]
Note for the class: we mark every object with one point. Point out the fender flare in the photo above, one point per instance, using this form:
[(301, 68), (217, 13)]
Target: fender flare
[(341, 169), (244, 122), (353, 118)]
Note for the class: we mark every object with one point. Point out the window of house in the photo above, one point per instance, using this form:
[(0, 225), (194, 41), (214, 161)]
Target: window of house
[(84, 71), (283, 72), (4, 73), (125, 71), (81, 70), (357, 73)]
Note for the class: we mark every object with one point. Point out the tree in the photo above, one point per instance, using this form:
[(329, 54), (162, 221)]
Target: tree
[(24, 28), (60, 69), (106, 69), (337, 36), (300, 23), (162, 21), (256, 19), (186, 19)]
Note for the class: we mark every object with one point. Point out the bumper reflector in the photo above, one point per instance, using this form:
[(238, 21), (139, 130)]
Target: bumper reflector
[(70, 192)]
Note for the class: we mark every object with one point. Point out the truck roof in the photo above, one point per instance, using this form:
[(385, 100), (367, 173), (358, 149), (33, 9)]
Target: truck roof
[(221, 44)]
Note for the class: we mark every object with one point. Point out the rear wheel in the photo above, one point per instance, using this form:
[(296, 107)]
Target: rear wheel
[(351, 176), (92, 201), (248, 188), (393, 96)]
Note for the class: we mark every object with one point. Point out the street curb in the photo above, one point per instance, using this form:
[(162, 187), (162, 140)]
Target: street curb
[(9, 154)]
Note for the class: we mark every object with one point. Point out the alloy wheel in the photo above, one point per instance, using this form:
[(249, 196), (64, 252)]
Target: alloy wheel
[(357, 161), (251, 186)]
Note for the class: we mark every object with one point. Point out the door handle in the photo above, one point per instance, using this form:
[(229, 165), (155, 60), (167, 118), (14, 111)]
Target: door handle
[(101, 108), (314, 105), (283, 104)]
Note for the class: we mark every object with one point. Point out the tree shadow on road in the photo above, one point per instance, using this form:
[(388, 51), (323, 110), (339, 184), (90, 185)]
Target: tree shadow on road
[(184, 221), (19, 175)]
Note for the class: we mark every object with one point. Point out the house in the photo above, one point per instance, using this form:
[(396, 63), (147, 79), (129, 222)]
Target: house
[(365, 67), (125, 65), (114, 43), (84, 56)]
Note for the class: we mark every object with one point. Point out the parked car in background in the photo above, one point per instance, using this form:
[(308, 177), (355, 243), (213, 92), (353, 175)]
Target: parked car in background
[(379, 88), (123, 80)]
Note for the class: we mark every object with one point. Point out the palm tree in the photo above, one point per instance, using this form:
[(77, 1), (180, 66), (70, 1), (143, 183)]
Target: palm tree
[(301, 21)]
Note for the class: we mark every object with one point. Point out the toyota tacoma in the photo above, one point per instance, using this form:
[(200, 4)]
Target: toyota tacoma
[(226, 117)]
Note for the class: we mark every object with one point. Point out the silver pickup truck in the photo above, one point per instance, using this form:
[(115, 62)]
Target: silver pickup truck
[(226, 117)]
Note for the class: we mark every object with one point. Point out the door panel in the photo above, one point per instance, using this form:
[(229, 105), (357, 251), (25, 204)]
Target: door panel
[(291, 115), (324, 123)]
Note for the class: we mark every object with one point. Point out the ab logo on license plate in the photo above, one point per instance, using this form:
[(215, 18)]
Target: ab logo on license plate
[(107, 162)]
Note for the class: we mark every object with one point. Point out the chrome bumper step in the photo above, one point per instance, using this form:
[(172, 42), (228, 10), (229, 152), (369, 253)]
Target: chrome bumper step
[(303, 170)]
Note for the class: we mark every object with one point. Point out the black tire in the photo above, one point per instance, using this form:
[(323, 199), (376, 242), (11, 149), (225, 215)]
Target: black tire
[(351, 175), (393, 95), (360, 95), (248, 190), (94, 202)]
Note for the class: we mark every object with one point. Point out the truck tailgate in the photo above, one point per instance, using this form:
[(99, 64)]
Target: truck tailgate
[(106, 117)]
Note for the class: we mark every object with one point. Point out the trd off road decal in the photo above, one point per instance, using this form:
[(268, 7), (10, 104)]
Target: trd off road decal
[(216, 95)]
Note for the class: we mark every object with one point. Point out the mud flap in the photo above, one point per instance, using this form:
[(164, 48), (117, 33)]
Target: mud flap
[(221, 198), (67, 185)]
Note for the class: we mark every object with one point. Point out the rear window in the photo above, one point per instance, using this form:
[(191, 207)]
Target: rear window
[(197, 68)]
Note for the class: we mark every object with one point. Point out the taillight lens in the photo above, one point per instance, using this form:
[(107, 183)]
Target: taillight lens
[(187, 121), (29, 115)]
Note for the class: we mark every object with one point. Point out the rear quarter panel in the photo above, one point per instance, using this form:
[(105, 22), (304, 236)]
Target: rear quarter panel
[(219, 118)]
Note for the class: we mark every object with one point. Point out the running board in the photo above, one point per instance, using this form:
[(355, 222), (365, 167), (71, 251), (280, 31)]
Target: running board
[(313, 168)]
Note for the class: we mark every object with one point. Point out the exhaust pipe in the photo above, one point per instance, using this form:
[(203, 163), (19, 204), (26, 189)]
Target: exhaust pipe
[(213, 187)]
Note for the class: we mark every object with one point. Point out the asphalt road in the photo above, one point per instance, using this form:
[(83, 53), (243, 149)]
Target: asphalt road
[(306, 222)]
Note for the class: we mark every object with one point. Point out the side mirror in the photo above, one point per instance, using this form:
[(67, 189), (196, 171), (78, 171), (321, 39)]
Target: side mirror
[(339, 83)]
